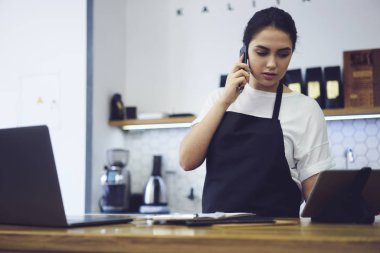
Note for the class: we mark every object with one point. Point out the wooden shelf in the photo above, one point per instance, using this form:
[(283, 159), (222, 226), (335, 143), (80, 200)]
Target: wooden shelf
[(351, 111), (331, 114), (153, 123)]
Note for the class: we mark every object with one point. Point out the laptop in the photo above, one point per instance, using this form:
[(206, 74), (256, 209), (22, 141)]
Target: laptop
[(29, 187), (332, 183)]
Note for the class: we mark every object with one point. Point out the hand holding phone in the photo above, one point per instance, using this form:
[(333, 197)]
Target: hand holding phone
[(237, 79)]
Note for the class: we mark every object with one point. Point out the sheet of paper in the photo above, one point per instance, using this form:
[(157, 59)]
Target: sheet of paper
[(182, 216), (40, 100), (9, 109)]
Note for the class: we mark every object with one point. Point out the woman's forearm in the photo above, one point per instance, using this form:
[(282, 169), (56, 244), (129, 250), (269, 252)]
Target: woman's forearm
[(307, 186), (194, 146)]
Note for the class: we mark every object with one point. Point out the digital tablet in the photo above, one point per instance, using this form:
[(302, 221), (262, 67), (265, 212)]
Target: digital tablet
[(332, 183)]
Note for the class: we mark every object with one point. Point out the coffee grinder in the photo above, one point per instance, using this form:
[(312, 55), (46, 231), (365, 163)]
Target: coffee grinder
[(116, 183)]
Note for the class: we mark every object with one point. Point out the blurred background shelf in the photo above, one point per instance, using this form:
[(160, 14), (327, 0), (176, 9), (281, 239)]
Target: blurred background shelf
[(179, 122), (141, 124), (352, 113)]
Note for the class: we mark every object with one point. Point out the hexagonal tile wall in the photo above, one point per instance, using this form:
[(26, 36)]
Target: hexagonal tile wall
[(361, 135)]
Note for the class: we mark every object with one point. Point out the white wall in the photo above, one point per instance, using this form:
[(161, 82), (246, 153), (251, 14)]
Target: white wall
[(43, 81), (108, 78), (173, 62)]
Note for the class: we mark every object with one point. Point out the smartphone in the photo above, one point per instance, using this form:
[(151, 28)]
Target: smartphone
[(244, 52)]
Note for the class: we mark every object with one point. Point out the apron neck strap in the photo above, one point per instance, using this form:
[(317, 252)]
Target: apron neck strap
[(277, 103)]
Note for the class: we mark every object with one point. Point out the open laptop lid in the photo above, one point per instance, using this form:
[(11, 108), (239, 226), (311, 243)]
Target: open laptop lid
[(331, 183), (29, 188), (29, 185)]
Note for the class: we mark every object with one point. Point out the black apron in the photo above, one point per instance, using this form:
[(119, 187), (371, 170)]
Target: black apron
[(247, 169)]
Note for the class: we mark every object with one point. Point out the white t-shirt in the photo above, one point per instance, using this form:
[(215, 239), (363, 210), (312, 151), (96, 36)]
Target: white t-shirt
[(303, 125)]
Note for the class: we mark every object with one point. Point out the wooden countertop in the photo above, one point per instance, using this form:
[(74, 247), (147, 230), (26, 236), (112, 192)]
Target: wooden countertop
[(300, 236)]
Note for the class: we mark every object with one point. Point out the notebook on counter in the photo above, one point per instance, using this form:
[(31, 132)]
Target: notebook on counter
[(207, 219), (30, 194)]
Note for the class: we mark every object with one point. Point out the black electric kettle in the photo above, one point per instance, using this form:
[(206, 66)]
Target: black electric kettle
[(155, 195)]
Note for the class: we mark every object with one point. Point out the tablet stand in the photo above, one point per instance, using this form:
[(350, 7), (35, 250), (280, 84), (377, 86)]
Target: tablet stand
[(349, 206)]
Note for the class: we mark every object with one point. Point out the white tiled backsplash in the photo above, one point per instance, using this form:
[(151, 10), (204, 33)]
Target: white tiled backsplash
[(362, 136)]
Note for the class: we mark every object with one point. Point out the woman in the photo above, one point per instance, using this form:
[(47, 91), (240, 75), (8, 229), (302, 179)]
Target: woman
[(264, 145)]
